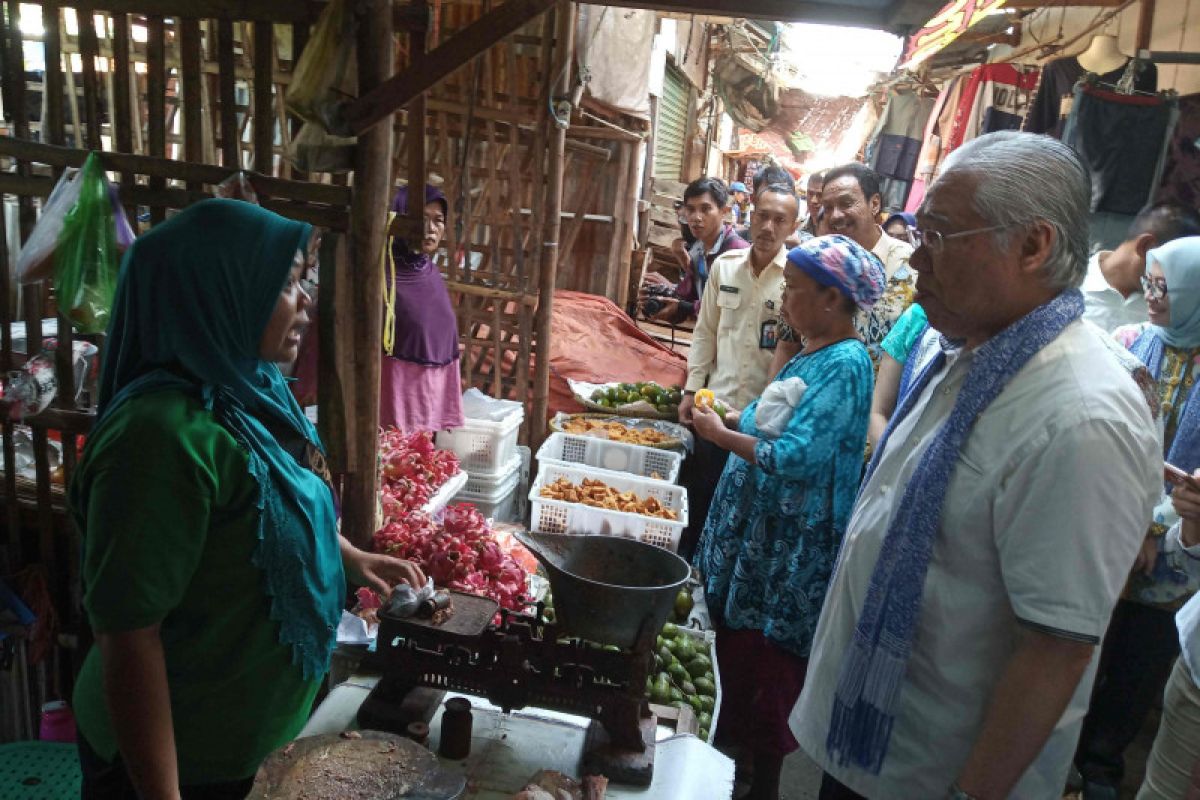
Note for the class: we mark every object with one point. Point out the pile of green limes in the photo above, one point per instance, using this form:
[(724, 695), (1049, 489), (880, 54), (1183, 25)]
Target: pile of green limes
[(664, 399), (684, 675)]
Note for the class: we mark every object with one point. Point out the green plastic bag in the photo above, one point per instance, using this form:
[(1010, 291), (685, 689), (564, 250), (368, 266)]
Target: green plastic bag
[(86, 261)]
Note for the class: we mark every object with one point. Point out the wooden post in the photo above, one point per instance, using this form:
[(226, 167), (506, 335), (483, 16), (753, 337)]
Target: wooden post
[(52, 125), (156, 102), (193, 134), (89, 49), (372, 177), (231, 148), (618, 247), (648, 177), (1145, 25), (564, 41), (264, 110)]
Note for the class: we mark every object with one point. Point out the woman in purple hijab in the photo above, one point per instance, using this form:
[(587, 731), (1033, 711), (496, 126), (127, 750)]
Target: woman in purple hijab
[(420, 387)]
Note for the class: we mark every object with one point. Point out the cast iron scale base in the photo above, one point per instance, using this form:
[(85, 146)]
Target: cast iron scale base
[(520, 662)]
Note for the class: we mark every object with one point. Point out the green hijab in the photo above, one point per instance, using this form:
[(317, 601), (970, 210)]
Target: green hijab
[(193, 299)]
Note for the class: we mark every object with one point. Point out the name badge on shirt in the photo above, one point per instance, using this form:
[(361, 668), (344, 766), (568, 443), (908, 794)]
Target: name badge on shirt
[(768, 337), (730, 289)]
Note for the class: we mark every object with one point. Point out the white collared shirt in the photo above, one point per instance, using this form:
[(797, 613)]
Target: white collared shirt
[(1104, 305), (736, 323), (1044, 513)]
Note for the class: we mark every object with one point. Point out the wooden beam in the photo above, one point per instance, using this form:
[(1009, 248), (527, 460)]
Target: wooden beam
[(564, 50), (156, 101), (425, 73), (53, 130), (89, 49), (372, 186), (250, 10), (1145, 24), (193, 135), (830, 13), (264, 115), (227, 91)]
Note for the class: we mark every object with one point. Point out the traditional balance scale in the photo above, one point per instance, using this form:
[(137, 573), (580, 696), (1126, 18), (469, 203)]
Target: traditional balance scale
[(611, 597)]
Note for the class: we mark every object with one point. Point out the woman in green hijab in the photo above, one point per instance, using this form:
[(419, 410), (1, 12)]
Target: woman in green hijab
[(213, 573)]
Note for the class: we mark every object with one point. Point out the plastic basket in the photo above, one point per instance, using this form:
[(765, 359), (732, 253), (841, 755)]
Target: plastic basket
[(39, 771), (502, 509), (482, 445), (557, 516), (648, 462), (492, 484)]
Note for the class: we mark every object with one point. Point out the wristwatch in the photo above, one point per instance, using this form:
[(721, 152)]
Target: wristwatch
[(956, 793)]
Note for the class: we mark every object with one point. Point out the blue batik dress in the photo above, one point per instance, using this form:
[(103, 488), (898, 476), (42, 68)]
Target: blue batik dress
[(774, 529)]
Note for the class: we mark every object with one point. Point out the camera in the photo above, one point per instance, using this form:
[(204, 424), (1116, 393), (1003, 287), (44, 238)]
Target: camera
[(654, 303)]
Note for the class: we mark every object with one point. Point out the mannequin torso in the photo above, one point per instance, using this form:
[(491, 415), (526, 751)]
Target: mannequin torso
[(1102, 56)]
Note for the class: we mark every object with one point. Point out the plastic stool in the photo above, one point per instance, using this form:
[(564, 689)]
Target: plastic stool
[(39, 771)]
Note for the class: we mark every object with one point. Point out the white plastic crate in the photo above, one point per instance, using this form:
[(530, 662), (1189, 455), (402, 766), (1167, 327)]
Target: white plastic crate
[(648, 462), (557, 516), (503, 509), (482, 445), (442, 497), (491, 483)]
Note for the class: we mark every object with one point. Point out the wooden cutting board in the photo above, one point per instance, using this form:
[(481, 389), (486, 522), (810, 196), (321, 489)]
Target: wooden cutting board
[(371, 766)]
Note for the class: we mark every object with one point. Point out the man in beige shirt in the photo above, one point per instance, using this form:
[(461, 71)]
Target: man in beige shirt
[(735, 338), (851, 199)]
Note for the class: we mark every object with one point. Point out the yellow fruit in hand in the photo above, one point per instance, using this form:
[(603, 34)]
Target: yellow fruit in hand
[(704, 398)]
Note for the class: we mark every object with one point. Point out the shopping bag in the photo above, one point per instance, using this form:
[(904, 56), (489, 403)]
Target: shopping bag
[(86, 258), (36, 260), (326, 74)]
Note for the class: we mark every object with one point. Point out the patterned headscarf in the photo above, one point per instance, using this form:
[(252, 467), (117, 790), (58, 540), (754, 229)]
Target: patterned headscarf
[(842, 262)]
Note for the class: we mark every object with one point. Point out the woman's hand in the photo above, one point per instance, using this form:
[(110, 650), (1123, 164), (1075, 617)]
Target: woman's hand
[(378, 571), (708, 423), (1186, 501)]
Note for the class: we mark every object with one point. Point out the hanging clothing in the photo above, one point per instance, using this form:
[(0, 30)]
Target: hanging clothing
[(1181, 171), (897, 143), (1123, 140), (936, 140), (1053, 99), (994, 98)]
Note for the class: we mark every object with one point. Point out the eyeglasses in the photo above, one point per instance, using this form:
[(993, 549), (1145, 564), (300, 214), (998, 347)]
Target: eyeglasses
[(1154, 289), (935, 241)]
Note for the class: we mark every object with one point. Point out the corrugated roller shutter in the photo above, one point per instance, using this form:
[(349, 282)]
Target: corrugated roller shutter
[(672, 126)]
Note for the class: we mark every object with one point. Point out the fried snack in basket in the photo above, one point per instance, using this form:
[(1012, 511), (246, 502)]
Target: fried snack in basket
[(598, 494), (614, 431)]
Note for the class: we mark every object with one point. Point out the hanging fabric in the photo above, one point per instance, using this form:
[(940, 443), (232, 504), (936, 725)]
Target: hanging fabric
[(897, 143), (994, 98), (1053, 97), (936, 142), (1123, 139)]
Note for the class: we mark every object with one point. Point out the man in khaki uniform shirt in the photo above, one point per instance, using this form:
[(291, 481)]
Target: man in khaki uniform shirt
[(735, 338)]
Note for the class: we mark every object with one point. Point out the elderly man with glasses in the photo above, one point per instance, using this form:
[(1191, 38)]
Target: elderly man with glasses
[(1001, 513)]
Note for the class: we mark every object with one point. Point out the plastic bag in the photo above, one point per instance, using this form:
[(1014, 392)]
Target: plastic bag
[(36, 261), (776, 406), (86, 260), (326, 74), (314, 150), (237, 187)]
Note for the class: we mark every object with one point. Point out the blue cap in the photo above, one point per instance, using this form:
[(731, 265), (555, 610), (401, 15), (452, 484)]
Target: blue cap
[(738, 186)]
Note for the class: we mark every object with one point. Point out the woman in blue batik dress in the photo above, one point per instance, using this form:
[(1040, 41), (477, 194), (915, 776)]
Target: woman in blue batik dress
[(783, 502)]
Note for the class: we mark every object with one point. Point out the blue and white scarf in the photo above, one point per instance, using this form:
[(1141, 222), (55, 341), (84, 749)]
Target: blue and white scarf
[(864, 706)]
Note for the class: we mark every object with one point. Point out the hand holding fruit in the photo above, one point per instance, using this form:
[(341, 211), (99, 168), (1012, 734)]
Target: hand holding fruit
[(708, 424)]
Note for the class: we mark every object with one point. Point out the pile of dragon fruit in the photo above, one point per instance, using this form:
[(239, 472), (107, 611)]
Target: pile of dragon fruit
[(458, 552), (413, 470)]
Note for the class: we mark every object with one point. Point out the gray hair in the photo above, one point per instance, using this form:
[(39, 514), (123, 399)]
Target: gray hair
[(1025, 177)]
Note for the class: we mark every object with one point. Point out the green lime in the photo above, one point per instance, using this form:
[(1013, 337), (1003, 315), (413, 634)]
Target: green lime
[(696, 703), (707, 703), (669, 630), (699, 666), (678, 674), (704, 734), (598, 394), (705, 687), (663, 408), (676, 695), (659, 641), (705, 719), (665, 653), (687, 687)]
